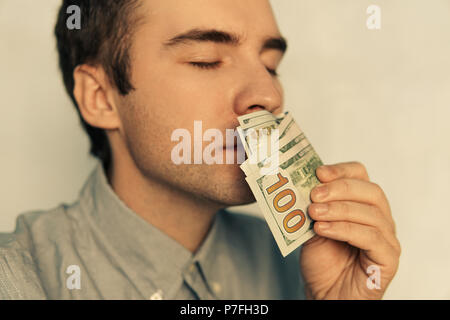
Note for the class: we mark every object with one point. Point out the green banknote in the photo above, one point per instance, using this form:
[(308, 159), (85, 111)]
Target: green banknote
[(283, 193)]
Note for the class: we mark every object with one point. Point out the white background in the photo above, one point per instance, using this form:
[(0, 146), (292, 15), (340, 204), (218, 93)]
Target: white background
[(380, 97)]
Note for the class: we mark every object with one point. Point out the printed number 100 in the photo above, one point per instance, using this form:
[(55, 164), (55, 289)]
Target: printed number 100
[(281, 194)]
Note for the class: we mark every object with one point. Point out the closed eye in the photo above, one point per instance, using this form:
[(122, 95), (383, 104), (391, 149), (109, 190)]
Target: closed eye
[(216, 64), (206, 65), (272, 72)]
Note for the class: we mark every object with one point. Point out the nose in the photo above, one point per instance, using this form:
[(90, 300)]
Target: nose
[(259, 90)]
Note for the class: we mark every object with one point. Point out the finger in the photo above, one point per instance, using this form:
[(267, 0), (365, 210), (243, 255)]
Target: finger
[(360, 236), (352, 190), (350, 170), (355, 212)]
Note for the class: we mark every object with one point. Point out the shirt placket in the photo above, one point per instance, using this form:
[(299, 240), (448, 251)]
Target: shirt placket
[(195, 279)]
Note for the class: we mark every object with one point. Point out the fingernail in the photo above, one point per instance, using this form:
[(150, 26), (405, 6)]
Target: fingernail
[(320, 209), (324, 225), (320, 192), (323, 168)]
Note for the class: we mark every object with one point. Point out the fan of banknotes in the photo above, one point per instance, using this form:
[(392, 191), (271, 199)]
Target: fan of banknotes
[(281, 171)]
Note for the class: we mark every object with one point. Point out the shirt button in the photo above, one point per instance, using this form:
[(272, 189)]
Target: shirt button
[(216, 287), (157, 295), (192, 268)]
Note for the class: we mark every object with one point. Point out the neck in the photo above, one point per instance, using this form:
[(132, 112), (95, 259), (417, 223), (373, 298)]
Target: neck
[(180, 215)]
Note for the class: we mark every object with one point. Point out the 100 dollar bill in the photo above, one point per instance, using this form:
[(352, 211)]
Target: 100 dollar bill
[(284, 193)]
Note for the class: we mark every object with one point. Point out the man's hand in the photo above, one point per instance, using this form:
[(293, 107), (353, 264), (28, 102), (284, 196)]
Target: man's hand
[(354, 230)]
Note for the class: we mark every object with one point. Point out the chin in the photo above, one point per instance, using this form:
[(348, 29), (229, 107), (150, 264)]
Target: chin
[(235, 200), (233, 190), (241, 198)]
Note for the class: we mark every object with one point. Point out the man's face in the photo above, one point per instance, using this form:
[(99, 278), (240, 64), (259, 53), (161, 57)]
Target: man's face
[(175, 86)]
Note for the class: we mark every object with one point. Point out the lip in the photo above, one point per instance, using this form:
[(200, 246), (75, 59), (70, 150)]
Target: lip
[(234, 146), (230, 147), (234, 150)]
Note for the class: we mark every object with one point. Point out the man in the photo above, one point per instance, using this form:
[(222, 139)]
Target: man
[(147, 228)]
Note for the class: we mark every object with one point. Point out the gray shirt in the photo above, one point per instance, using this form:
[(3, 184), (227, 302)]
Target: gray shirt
[(97, 248)]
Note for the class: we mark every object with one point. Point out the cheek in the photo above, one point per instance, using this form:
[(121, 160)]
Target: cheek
[(175, 90), (149, 146), (168, 99), (171, 100), (177, 105), (142, 131)]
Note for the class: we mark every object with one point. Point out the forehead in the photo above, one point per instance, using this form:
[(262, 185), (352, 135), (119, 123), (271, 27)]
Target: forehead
[(164, 18)]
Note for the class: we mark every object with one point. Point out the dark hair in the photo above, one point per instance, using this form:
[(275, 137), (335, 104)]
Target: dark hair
[(104, 39)]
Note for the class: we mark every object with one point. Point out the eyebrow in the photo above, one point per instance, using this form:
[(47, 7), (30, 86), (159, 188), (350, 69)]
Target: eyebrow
[(217, 36)]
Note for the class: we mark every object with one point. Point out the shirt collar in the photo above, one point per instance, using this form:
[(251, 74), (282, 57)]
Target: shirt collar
[(220, 253), (144, 252)]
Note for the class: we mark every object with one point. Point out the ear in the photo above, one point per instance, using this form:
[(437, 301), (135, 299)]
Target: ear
[(94, 96)]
